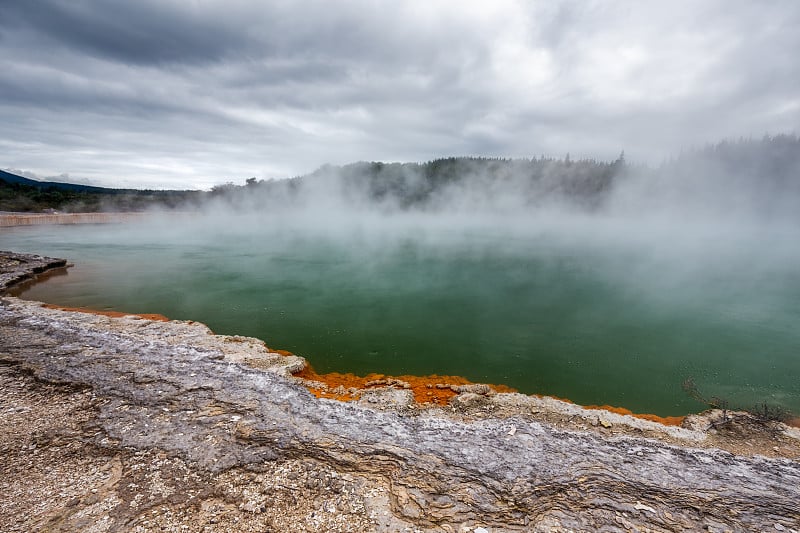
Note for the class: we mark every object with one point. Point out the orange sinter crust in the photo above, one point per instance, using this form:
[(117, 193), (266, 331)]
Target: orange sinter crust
[(427, 389), (114, 314), (346, 387)]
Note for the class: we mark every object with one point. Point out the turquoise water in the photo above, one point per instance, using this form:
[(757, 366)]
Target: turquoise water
[(599, 311)]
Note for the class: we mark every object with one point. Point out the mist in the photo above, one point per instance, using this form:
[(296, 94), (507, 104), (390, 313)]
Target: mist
[(604, 282), (729, 207), (712, 224)]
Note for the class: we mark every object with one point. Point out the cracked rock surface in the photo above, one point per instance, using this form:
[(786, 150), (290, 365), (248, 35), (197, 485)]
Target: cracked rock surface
[(129, 424)]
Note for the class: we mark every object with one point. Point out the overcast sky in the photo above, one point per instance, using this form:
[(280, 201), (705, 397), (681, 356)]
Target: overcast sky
[(187, 94)]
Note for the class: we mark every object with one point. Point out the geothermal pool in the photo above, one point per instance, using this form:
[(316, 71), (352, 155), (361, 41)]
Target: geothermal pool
[(600, 311)]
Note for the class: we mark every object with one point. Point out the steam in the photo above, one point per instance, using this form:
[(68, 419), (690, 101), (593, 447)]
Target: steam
[(720, 220), (701, 253)]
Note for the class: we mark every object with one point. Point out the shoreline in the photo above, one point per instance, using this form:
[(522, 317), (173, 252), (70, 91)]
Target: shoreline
[(434, 389), (224, 414), (14, 219), (346, 386)]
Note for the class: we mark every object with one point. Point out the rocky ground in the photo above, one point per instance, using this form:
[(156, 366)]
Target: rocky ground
[(135, 424)]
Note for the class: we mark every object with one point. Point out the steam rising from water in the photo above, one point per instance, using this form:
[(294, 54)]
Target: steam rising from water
[(613, 293)]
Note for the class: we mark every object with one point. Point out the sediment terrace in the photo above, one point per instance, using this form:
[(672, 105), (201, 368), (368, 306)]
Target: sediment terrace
[(38, 219), (133, 424)]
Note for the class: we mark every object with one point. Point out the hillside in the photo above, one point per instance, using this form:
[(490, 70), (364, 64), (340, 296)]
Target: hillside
[(26, 195), (10, 178)]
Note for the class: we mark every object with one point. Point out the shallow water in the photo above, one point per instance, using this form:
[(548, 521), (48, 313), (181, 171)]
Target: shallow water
[(599, 311)]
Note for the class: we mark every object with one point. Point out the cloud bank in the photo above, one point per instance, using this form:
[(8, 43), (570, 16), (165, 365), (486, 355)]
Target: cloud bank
[(182, 95)]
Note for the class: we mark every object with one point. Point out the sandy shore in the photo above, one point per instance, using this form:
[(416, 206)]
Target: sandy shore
[(132, 424)]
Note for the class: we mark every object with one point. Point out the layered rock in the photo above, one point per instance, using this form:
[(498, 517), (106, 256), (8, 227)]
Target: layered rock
[(17, 268)]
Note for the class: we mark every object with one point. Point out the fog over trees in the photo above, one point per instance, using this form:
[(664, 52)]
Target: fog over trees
[(739, 178), (745, 177)]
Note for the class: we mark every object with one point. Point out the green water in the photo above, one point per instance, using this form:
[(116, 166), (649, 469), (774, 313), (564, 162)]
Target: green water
[(601, 312)]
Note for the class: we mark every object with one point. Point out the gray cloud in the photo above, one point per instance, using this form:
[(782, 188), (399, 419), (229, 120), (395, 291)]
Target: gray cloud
[(130, 32), (172, 93)]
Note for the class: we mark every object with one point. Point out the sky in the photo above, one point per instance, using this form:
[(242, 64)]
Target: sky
[(192, 93)]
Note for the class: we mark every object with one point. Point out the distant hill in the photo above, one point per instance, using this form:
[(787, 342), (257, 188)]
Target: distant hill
[(26, 195), (13, 178)]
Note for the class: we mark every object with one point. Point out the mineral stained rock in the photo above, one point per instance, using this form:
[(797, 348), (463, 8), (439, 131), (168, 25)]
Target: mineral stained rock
[(16, 268), (139, 425)]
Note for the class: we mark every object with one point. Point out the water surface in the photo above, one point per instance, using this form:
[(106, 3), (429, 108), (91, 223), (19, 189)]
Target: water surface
[(597, 311)]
